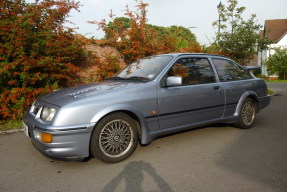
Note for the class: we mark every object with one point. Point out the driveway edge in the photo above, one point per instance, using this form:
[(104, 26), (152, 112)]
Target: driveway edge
[(11, 131)]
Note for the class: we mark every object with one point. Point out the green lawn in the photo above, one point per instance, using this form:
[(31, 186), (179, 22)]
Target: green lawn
[(277, 81)]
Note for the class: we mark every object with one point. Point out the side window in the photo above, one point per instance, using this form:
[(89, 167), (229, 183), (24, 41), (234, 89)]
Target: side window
[(229, 71), (193, 71)]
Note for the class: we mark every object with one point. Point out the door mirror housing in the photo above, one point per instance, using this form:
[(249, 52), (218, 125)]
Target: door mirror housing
[(173, 81)]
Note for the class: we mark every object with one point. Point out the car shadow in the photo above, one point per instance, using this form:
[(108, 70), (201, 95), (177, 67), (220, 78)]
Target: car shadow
[(133, 177)]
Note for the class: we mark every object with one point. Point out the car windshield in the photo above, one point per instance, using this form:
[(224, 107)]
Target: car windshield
[(144, 69)]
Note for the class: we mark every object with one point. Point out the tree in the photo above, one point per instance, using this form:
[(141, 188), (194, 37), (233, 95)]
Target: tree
[(239, 37), (138, 40), (117, 25), (277, 63), (37, 53), (182, 36), (134, 38)]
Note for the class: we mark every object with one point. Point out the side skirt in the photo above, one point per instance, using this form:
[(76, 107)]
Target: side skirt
[(153, 135)]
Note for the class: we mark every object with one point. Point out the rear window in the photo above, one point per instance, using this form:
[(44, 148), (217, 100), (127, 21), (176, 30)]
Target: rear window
[(230, 71)]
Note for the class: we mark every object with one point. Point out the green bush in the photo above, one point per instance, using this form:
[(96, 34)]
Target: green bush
[(257, 72), (277, 63)]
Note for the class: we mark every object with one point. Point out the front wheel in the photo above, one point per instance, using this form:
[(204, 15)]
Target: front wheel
[(247, 114), (115, 138)]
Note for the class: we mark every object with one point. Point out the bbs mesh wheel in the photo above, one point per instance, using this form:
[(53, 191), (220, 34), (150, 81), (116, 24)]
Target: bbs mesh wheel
[(115, 138), (247, 114)]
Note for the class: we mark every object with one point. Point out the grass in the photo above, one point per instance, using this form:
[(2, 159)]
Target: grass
[(10, 125), (270, 92), (277, 81)]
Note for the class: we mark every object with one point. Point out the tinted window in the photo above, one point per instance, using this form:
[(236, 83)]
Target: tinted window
[(193, 71), (230, 71)]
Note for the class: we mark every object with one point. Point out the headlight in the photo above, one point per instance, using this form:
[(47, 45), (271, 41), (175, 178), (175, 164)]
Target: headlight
[(48, 113)]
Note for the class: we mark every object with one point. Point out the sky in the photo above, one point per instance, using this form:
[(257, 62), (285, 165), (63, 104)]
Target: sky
[(197, 15)]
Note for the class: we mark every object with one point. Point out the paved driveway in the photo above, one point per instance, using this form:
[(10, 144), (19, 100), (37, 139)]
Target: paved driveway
[(216, 158)]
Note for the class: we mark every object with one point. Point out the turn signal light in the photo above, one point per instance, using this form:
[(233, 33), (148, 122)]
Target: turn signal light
[(46, 138)]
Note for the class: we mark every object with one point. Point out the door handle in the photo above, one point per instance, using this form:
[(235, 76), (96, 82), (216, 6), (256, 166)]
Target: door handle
[(216, 87)]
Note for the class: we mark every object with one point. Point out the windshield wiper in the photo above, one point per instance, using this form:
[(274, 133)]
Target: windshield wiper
[(116, 78), (138, 78)]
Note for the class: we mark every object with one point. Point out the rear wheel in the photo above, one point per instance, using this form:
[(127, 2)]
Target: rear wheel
[(115, 138), (247, 114)]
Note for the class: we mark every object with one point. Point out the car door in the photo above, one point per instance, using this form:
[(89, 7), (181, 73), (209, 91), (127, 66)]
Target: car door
[(235, 81), (200, 98)]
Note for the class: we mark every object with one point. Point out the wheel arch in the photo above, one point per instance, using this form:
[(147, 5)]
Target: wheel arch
[(142, 127), (247, 94)]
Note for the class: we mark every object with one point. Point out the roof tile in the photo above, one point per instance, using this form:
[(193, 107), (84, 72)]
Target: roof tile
[(275, 29)]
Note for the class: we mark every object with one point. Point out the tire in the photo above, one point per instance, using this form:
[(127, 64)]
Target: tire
[(114, 138), (247, 114)]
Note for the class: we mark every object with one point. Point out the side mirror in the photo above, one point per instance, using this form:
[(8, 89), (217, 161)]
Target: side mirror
[(173, 81)]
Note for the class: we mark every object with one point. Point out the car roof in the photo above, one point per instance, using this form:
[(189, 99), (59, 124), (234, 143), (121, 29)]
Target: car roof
[(194, 54)]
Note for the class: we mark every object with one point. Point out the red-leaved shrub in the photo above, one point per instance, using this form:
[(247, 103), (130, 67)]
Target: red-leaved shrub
[(37, 53)]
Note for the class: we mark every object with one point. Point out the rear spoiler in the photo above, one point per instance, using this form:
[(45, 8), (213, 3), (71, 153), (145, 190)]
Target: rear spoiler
[(250, 68)]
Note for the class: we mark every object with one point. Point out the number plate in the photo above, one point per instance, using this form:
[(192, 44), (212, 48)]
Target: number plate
[(26, 129)]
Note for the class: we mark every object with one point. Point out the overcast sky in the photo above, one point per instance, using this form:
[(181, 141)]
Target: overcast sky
[(198, 14)]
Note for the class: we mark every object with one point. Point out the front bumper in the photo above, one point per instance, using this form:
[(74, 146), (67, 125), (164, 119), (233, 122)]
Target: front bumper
[(69, 142)]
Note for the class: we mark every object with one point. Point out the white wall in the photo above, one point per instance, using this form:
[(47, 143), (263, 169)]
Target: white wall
[(281, 43), (262, 56)]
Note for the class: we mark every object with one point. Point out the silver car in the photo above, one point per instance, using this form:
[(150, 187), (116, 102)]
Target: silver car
[(153, 96)]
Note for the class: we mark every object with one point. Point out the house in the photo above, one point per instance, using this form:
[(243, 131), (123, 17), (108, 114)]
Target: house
[(276, 31)]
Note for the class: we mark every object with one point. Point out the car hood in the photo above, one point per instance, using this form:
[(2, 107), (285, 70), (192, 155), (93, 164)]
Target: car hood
[(67, 95)]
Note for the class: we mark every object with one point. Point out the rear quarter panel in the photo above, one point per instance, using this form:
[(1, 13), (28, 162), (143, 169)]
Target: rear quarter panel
[(237, 91)]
